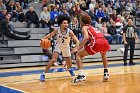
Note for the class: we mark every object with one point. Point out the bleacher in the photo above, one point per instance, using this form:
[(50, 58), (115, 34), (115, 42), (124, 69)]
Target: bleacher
[(24, 53)]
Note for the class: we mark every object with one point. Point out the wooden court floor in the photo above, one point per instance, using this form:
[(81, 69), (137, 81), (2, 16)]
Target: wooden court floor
[(122, 80)]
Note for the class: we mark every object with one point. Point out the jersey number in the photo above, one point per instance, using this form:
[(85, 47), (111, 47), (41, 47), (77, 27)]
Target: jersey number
[(63, 40), (96, 30)]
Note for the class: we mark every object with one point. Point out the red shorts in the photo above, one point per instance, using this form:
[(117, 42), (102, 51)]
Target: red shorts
[(100, 45)]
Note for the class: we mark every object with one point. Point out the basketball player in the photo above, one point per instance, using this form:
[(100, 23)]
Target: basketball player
[(97, 43), (63, 34)]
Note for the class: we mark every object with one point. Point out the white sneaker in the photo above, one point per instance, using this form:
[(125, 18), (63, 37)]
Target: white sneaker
[(79, 78), (106, 77), (56, 64)]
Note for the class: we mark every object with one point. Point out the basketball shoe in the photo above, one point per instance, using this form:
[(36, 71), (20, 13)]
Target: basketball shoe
[(79, 78), (106, 75), (42, 77)]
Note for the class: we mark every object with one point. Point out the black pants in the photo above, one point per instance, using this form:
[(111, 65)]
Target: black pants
[(44, 24), (131, 43), (21, 33), (29, 22), (15, 36)]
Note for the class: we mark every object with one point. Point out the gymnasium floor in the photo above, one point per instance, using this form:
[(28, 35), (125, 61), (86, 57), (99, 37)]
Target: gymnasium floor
[(25, 80)]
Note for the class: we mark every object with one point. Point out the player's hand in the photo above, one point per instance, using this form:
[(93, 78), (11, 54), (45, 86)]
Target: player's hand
[(125, 42)]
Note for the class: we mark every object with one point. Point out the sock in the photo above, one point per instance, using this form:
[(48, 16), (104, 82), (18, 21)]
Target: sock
[(105, 70), (43, 73), (80, 72)]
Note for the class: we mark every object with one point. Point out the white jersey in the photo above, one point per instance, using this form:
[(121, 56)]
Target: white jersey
[(63, 39)]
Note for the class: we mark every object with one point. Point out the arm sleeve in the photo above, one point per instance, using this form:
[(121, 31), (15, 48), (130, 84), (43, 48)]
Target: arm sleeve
[(124, 29), (134, 29)]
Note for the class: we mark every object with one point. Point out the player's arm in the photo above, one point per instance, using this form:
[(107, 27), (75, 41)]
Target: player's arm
[(72, 35), (48, 36), (86, 37)]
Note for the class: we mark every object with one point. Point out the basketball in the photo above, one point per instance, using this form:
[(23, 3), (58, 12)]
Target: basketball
[(45, 43)]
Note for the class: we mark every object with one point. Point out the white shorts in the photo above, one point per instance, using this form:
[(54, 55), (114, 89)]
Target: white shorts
[(65, 51)]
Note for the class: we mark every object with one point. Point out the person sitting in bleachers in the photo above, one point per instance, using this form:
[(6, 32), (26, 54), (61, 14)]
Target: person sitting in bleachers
[(74, 26), (45, 17), (2, 6), (105, 33), (7, 29), (93, 16), (112, 31), (53, 13), (2, 14), (31, 17), (20, 12), (64, 11), (12, 10), (100, 14)]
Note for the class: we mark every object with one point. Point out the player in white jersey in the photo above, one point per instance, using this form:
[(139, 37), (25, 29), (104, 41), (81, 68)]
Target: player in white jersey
[(64, 34)]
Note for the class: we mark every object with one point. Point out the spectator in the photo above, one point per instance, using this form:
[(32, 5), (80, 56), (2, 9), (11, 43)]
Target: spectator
[(100, 14), (68, 5), (112, 31), (12, 10), (105, 33), (122, 7), (19, 10), (117, 6), (45, 3), (72, 11), (98, 24), (31, 17), (2, 6), (64, 11), (114, 15), (8, 30), (3, 14), (54, 13), (130, 37), (109, 10), (78, 11), (92, 4), (58, 2), (93, 16), (74, 26), (45, 18)]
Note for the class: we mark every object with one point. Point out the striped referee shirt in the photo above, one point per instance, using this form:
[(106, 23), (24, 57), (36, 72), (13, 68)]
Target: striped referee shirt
[(129, 30)]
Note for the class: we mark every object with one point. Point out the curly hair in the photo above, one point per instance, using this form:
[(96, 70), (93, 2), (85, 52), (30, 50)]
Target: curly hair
[(85, 18), (63, 17)]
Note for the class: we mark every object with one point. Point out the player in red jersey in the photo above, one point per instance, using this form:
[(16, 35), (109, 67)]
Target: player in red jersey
[(97, 43)]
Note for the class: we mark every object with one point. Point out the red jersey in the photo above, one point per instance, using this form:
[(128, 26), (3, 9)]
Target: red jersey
[(94, 33), (97, 42)]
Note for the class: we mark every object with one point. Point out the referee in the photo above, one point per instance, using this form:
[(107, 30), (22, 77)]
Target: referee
[(130, 37)]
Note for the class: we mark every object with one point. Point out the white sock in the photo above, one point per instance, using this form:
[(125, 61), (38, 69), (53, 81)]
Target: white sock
[(43, 73), (80, 72)]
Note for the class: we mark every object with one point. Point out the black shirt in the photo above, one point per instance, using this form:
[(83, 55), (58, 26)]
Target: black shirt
[(129, 30)]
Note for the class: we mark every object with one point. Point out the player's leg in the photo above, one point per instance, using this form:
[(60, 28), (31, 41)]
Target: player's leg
[(69, 65), (81, 77), (67, 55), (105, 64), (51, 62)]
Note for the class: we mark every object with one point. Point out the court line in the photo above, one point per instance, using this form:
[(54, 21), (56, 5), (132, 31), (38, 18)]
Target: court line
[(62, 77), (29, 72), (18, 90)]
